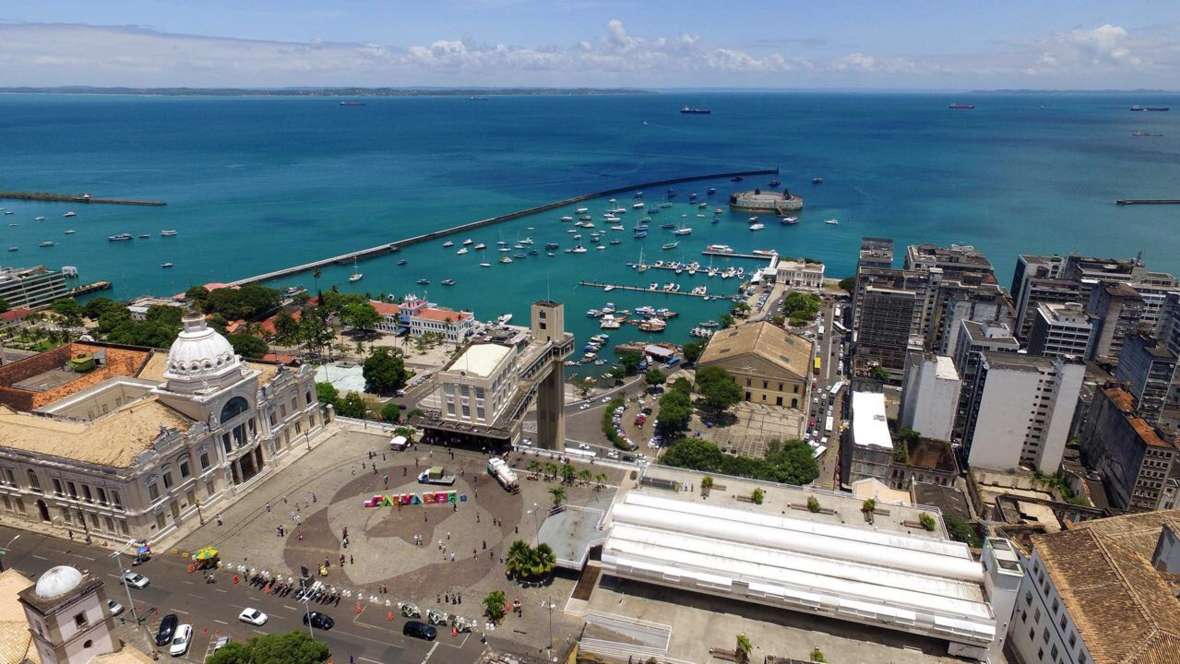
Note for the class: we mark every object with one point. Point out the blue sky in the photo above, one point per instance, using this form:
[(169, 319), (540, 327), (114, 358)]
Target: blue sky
[(652, 43)]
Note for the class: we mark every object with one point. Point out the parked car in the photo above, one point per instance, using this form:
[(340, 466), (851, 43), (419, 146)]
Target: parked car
[(218, 643), (420, 630), (182, 640), (252, 616), (167, 629), (318, 620), (114, 608), (135, 580)]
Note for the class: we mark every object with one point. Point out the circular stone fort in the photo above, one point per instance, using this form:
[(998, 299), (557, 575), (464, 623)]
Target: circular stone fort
[(766, 201)]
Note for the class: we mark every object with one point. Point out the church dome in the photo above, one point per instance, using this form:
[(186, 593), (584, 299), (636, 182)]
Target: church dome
[(57, 582), (199, 353)]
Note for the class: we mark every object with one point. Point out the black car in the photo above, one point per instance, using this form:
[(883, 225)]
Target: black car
[(318, 620), (167, 629), (420, 630)]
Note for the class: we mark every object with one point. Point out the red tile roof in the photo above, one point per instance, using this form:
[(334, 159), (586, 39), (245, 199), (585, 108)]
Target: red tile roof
[(442, 314), (20, 313), (385, 308)]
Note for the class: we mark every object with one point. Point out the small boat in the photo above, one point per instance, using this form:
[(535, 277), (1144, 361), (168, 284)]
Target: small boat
[(70, 231), (402, 262), (356, 275), (711, 190), (684, 230), (668, 227), (144, 236), (47, 243), (694, 110), (448, 244), (14, 248), (616, 241), (757, 227), (719, 248), (69, 214), (790, 221), (166, 266), (639, 235), (485, 264), (168, 233), (832, 222), (752, 220), (578, 250), (119, 237), (670, 245), (567, 219), (774, 183), (480, 247), (582, 210), (38, 218), (653, 325), (817, 180), (423, 282), (462, 250), (736, 178), (638, 206), (765, 253), (468, 241), (447, 282), (550, 246), (505, 259), (961, 107)]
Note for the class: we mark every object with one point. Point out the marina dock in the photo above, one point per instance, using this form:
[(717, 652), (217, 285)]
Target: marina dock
[(83, 199), (645, 289), (732, 254), (90, 288), (1148, 201), (382, 249)]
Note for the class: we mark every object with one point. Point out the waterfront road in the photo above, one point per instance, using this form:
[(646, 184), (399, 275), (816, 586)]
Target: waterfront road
[(367, 637)]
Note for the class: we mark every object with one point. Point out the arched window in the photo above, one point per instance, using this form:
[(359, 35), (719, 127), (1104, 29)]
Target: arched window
[(234, 407), (34, 482)]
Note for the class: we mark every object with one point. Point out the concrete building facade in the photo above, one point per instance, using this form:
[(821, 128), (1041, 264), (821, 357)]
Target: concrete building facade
[(68, 617), (1134, 459), (31, 286), (930, 395), (1148, 369), (1061, 329), (1022, 410), (1117, 310)]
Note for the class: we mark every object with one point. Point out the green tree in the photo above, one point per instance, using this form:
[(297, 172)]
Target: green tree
[(801, 308), (327, 393), (879, 373), (293, 647), (286, 327), (693, 351), (848, 284), (100, 305), (360, 316), (706, 486), (352, 405), (927, 521), (314, 329), (630, 361), (250, 302), (717, 389), (524, 562), (391, 412), (787, 462), (4, 305), (813, 504), (68, 309), (558, 495), (248, 345), (726, 320), (384, 371), (493, 605), (196, 297), (675, 412), (743, 648), (654, 377), (758, 496), (567, 473)]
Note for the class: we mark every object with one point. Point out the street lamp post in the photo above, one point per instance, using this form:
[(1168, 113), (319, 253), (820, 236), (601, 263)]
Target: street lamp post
[(4, 550), (151, 646)]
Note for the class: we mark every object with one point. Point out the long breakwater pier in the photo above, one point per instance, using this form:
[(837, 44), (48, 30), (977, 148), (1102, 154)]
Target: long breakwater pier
[(1148, 201), (391, 247), (82, 199), (651, 291)]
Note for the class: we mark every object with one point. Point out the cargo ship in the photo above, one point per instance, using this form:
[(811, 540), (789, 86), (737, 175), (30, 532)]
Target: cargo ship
[(961, 107), (695, 110)]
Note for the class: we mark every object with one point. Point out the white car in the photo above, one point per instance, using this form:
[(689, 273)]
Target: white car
[(181, 640), (583, 446), (135, 580), (584, 406), (114, 607), (252, 616)]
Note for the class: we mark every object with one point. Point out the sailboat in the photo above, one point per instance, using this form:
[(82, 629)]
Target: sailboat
[(356, 275)]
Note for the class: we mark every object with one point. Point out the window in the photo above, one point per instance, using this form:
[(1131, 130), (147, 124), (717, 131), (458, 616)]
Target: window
[(204, 459), (34, 482), (110, 523), (210, 487), (7, 477), (159, 519), (80, 620), (153, 491), (183, 464), (308, 396), (167, 478), (86, 494), (57, 490), (116, 499), (65, 515), (102, 495)]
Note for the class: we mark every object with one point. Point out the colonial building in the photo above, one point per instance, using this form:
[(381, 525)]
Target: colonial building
[(100, 441), (768, 363)]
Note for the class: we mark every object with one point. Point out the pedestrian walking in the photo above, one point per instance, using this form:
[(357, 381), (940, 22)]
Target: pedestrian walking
[(268, 507), (452, 556), (351, 561), (219, 519), (387, 481)]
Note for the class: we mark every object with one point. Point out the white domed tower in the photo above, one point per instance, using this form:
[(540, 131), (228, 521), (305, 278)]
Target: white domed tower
[(67, 616), (201, 360)]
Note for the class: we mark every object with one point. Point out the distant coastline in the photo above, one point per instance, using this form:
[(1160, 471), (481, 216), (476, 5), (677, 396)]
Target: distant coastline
[(323, 92)]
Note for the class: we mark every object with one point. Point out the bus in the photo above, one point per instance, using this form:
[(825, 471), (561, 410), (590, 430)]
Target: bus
[(836, 324), (818, 364), (828, 425), (835, 388)]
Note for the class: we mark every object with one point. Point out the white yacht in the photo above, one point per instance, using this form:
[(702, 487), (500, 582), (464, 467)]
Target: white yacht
[(757, 227), (168, 233), (462, 250), (356, 275), (480, 247), (833, 222), (468, 241), (69, 214), (448, 244), (683, 230)]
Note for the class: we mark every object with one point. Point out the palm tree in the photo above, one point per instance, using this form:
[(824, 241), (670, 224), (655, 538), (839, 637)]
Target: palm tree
[(558, 494), (742, 652), (517, 559), (550, 470), (534, 466), (600, 478), (584, 476)]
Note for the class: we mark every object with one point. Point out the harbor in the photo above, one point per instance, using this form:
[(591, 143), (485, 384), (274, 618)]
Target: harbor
[(382, 249), (766, 256), (84, 199), (661, 290)]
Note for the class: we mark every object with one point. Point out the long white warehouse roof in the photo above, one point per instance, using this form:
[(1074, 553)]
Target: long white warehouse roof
[(893, 580), (869, 425)]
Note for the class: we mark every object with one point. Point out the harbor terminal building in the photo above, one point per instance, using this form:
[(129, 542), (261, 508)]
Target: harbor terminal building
[(107, 442)]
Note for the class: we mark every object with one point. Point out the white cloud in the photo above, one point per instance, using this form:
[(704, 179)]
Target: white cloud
[(1104, 47)]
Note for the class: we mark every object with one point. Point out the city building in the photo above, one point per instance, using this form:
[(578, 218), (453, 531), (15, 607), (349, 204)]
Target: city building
[(421, 317), (1148, 369), (391, 317), (1117, 309), (829, 563), (770, 364), (139, 307), (1061, 329), (960, 285), (799, 274), (930, 395), (884, 335), (484, 394), (1021, 411), (1060, 279), (107, 442), (1101, 593), (66, 614), (868, 447), (1134, 459), (31, 286), (975, 339)]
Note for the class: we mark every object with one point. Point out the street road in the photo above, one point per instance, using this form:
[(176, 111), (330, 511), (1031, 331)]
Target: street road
[(212, 609)]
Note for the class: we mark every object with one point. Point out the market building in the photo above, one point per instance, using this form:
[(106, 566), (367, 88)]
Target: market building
[(770, 364)]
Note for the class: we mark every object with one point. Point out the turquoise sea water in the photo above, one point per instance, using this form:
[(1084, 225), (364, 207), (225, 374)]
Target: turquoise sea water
[(254, 184)]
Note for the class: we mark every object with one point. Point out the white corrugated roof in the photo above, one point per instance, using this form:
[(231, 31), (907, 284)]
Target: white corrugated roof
[(869, 426), (480, 359), (945, 368)]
